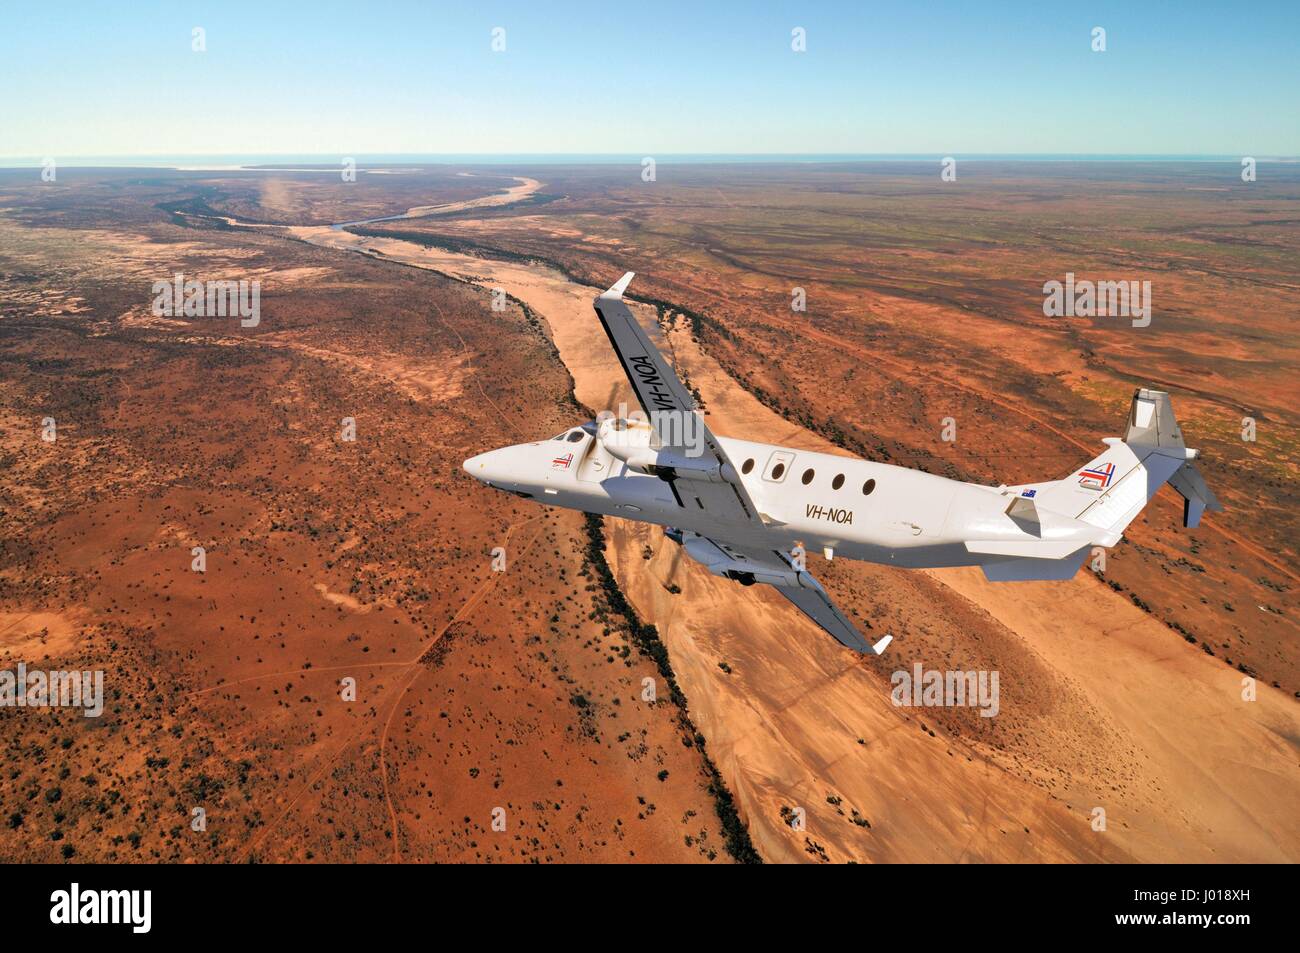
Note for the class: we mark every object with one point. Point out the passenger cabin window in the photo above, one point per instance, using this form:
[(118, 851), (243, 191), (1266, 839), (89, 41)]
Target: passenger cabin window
[(838, 481), (807, 476), (778, 464), (576, 436), (868, 487), (749, 465)]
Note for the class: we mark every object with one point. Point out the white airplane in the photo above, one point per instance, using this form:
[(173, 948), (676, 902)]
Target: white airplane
[(745, 510)]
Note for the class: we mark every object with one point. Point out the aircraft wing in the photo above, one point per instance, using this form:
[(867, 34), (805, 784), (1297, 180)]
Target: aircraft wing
[(776, 569), (817, 605), (671, 410)]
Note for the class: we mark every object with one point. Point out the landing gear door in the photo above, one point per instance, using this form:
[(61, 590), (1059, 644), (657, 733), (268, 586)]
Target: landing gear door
[(778, 465)]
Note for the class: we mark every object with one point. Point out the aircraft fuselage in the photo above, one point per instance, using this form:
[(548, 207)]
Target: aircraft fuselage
[(844, 505)]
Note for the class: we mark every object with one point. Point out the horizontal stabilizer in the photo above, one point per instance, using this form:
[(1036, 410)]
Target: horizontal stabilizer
[(1197, 497)]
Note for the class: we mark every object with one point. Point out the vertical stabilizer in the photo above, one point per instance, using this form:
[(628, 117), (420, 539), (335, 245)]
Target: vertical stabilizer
[(1151, 422)]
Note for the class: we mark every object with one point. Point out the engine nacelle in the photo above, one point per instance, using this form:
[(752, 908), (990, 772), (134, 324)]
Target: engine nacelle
[(631, 441), (625, 438)]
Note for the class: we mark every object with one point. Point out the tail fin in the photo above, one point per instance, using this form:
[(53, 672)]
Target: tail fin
[(1110, 490), (1151, 423)]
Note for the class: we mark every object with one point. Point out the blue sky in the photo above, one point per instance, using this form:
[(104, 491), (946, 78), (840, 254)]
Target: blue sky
[(355, 78)]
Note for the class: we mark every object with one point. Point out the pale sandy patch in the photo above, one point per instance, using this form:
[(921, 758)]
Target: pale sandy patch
[(31, 636), (340, 599)]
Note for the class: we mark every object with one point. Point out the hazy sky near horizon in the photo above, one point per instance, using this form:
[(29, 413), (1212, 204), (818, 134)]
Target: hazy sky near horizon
[(335, 78)]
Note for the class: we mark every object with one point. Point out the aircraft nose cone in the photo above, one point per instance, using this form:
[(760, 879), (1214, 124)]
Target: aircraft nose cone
[(497, 468), (491, 468)]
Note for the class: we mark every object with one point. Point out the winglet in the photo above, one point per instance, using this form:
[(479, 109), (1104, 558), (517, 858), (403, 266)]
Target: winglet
[(879, 647), (620, 286)]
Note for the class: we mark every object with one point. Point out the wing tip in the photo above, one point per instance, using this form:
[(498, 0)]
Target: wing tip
[(879, 647), (616, 290)]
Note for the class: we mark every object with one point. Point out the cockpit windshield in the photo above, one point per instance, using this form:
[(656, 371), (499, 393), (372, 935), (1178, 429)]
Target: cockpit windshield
[(576, 434)]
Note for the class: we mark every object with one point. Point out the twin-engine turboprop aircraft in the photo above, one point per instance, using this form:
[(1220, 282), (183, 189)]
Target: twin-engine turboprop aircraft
[(746, 510)]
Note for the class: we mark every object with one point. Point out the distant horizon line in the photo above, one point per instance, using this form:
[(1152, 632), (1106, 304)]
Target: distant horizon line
[(242, 160)]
